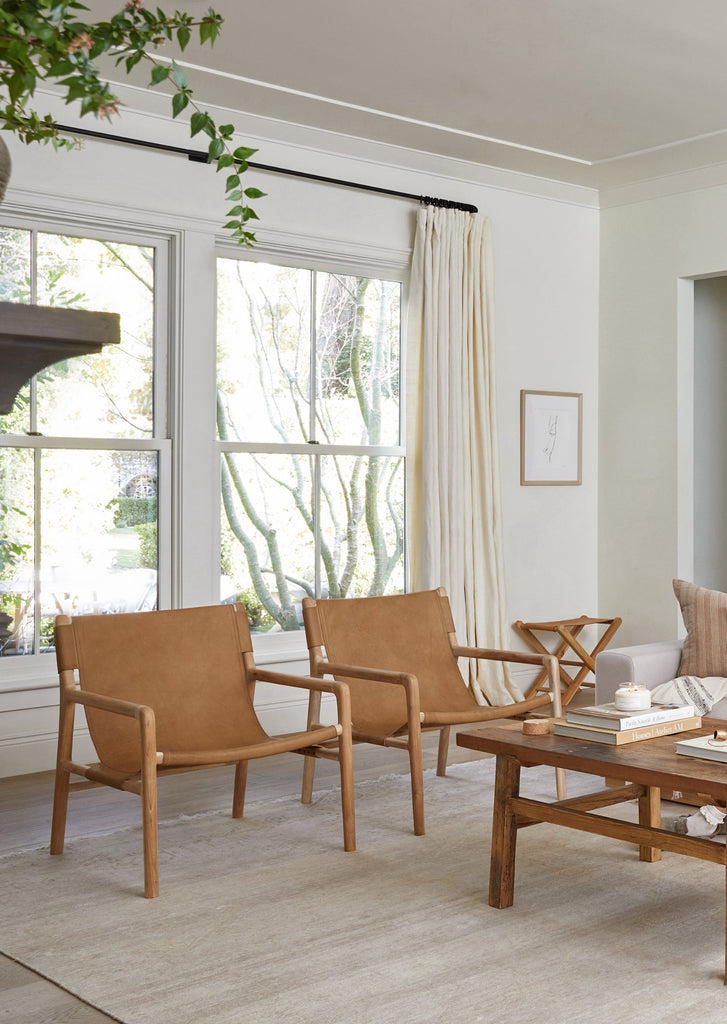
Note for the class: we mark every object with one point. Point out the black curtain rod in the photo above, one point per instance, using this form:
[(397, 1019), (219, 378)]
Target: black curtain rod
[(200, 156)]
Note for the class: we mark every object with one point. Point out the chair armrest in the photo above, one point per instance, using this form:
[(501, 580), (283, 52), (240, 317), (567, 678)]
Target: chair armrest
[(264, 675), (548, 661), (142, 713), (104, 703), (340, 690), (378, 675), (646, 664), (491, 654)]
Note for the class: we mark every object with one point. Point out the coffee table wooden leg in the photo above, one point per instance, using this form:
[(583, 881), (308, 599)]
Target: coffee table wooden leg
[(504, 832), (650, 815)]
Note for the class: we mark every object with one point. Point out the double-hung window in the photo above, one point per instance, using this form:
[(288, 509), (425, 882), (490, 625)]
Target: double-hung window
[(310, 437), (83, 450)]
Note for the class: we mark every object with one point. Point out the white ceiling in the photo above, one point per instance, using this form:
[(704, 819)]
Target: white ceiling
[(593, 92)]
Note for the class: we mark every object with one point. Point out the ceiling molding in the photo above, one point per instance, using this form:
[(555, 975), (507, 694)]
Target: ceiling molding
[(301, 146), (693, 180), (597, 95), (387, 114)]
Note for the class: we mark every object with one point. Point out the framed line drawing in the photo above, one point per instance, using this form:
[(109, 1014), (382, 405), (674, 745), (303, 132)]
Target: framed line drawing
[(551, 426)]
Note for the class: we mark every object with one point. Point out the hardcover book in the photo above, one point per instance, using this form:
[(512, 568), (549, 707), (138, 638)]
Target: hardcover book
[(608, 716), (619, 736), (700, 746)]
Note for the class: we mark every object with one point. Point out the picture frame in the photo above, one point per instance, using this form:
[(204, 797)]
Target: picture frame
[(551, 429)]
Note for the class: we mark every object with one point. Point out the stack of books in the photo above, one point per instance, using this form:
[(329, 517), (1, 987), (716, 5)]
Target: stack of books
[(703, 746), (605, 723)]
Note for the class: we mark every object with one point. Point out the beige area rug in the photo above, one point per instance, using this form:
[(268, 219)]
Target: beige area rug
[(268, 921)]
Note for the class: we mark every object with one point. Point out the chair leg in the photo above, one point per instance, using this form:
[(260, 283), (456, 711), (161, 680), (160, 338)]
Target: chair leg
[(414, 745), (63, 777), (309, 771), (238, 796), (149, 803), (309, 762), (443, 751), (60, 810), (345, 760), (417, 780), (553, 668)]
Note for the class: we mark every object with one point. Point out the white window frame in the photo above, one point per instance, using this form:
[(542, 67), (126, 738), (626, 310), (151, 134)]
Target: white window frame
[(185, 388), (290, 647), (30, 670)]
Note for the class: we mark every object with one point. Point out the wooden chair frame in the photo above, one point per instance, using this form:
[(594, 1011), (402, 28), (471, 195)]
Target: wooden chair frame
[(332, 742), (417, 721)]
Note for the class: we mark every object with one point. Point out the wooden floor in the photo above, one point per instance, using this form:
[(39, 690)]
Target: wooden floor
[(25, 809)]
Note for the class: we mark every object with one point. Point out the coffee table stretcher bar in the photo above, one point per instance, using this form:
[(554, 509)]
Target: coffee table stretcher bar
[(645, 768), (568, 631)]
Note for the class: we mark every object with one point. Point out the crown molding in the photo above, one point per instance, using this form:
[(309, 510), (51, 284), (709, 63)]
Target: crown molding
[(286, 143), (662, 186)]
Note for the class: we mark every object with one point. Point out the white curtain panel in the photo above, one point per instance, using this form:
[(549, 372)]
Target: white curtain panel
[(454, 489)]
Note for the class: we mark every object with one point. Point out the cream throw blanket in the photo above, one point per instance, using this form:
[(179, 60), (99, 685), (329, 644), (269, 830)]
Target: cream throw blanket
[(703, 694)]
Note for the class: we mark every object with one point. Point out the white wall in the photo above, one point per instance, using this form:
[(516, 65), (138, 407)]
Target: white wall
[(651, 250), (546, 320), (710, 432)]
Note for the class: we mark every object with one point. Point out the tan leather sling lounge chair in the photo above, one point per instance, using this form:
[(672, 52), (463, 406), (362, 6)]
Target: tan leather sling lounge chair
[(167, 691), (398, 655)]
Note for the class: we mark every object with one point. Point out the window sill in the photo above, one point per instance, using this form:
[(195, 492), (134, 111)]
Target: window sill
[(39, 672), (279, 648), (28, 672)]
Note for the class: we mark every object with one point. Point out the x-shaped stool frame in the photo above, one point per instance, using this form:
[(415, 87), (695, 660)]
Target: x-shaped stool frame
[(568, 631)]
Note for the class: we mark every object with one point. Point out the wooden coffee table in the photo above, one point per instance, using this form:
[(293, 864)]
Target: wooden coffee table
[(645, 768)]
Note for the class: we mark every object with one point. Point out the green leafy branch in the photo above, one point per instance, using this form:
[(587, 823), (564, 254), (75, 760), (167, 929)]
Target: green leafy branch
[(11, 552), (47, 41)]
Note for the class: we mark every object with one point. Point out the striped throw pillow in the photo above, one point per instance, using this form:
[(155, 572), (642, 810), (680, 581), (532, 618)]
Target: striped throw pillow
[(705, 617)]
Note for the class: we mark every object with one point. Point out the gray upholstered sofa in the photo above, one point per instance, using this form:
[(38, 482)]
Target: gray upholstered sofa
[(647, 664)]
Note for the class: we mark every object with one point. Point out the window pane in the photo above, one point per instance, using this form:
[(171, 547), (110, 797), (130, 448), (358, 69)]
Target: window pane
[(108, 394), (263, 353), (321, 525), (362, 526), (267, 536), (98, 538), (78, 527), (357, 360), (15, 287), (14, 265), (16, 552)]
